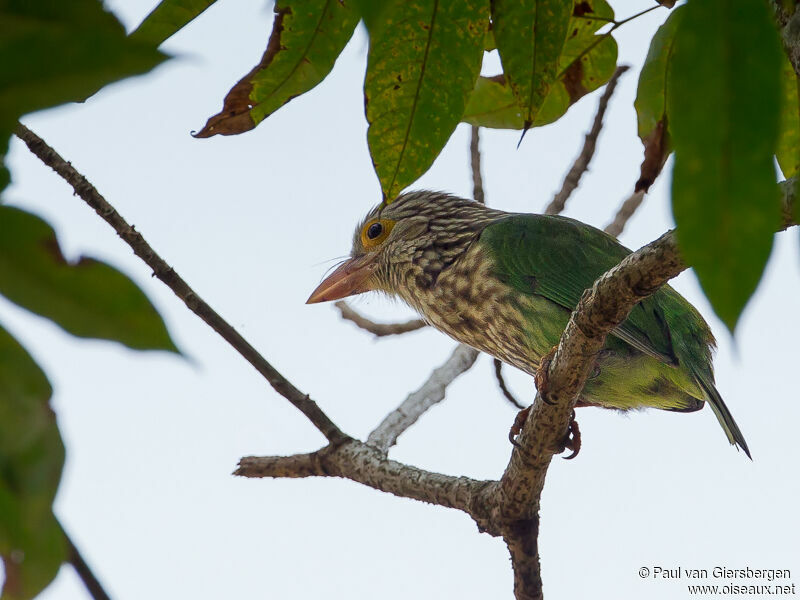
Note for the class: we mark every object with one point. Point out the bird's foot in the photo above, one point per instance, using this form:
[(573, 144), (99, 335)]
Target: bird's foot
[(572, 441), (516, 428), (540, 379)]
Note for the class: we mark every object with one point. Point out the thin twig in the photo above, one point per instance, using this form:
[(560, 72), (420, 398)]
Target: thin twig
[(498, 373), (624, 213), (414, 406), (377, 329), (165, 273), (581, 163), (475, 163), (84, 571)]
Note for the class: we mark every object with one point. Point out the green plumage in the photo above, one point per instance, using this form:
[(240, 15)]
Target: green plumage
[(660, 356), (506, 284)]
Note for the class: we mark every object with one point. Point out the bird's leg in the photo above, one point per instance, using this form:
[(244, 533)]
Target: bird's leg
[(573, 438), (516, 428), (540, 379), (572, 441)]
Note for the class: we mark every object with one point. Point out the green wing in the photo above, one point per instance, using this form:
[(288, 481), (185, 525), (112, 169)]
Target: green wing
[(558, 258)]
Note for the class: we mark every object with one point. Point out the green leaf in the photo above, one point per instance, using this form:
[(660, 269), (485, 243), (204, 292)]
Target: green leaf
[(88, 298), (723, 102), (307, 37), (168, 18), (651, 101), (587, 61), (32, 544), (530, 35), (651, 93), (788, 149), (54, 52), (424, 58), (492, 104)]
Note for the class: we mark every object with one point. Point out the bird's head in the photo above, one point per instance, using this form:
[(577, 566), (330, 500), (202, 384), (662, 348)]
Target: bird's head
[(407, 243)]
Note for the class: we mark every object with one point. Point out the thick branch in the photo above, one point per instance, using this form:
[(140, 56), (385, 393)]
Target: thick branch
[(432, 392), (601, 309), (377, 329), (165, 273), (624, 213), (581, 164)]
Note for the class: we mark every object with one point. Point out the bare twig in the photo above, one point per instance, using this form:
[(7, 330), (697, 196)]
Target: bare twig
[(84, 571), (581, 163), (432, 392), (498, 373), (624, 213), (377, 329), (165, 273), (475, 162)]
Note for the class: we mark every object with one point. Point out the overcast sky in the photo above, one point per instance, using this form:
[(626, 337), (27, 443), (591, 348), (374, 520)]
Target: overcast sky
[(252, 223)]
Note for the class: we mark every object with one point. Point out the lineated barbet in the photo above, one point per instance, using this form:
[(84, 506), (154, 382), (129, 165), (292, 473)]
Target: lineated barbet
[(506, 283)]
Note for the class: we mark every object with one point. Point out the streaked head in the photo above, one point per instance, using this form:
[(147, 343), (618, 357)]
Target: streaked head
[(407, 242)]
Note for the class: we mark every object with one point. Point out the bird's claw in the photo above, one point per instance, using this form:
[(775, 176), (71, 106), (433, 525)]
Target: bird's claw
[(572, 441), (516, 428), (541, 374)]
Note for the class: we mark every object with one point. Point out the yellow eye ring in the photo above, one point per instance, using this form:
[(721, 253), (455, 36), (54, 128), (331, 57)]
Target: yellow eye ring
[(375, 232)]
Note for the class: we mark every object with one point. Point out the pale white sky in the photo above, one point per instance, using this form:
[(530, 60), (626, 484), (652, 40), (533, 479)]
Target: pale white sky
[(252, 222)]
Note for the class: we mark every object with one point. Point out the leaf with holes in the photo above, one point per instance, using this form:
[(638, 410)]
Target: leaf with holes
[(88, 298), (723, 104), (32, 545), (651, 101), (424, 58), (168, 18), (307, 37), (530, 36)]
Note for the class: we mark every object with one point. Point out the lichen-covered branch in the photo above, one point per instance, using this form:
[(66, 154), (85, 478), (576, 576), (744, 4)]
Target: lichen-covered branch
[(377, 329), (432, 392), (89, 194), (364, 464)]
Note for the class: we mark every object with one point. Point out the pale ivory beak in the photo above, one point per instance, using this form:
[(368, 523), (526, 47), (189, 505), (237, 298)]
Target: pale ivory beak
[(349, 279)]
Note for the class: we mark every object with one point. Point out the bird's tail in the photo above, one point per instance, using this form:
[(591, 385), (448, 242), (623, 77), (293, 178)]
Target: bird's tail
[(724, 415)]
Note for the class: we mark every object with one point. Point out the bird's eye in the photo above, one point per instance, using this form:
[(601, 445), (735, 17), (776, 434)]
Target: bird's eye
[(375, 232)]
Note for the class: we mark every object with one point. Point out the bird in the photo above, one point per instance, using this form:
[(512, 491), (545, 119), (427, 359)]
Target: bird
[(506, 283)]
